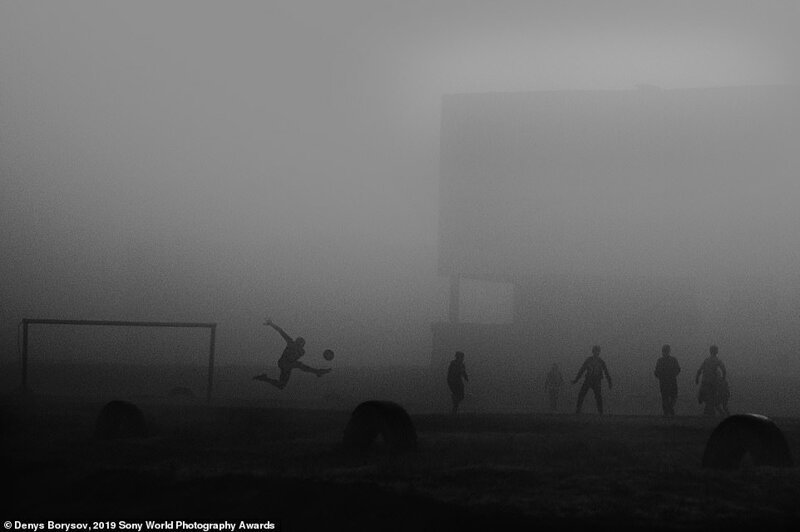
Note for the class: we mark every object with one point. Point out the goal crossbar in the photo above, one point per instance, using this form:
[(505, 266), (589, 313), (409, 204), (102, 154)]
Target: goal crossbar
[(117, 323)]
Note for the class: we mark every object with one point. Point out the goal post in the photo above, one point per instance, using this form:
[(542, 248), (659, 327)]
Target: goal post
[(26, 322)]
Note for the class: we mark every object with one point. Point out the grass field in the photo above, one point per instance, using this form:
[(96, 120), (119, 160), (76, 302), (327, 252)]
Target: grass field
[(476, 471)]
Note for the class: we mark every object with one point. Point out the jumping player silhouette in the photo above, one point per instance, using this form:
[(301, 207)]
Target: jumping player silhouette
[(289, 360)]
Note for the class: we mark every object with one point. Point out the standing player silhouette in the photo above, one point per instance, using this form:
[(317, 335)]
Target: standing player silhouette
[(713, 371), (456, 375), (289, 360), (667, 369), (595, 368)]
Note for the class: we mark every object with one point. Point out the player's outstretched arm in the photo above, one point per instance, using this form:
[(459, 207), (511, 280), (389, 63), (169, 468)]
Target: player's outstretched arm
[(268, 322)]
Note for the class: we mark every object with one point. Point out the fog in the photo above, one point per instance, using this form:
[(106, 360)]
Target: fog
[(222, 162)]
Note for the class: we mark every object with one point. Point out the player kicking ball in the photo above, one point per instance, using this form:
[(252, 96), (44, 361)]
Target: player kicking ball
[(290, 359)]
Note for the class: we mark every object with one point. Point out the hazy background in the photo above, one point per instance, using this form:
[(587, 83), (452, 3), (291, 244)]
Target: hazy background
[(216, 161)]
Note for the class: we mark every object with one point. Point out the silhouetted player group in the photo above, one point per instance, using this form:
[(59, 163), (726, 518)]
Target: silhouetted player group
[(712, 377)]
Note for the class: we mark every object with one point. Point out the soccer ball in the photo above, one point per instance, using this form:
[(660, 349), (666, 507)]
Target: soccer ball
[(327, 354)]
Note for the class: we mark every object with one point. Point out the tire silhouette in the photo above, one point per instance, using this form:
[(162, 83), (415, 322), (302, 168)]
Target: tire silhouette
[(743, 434), (384, 418), (120, 419)]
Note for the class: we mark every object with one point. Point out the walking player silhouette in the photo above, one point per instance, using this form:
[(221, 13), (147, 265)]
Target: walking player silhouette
[(595, 368)]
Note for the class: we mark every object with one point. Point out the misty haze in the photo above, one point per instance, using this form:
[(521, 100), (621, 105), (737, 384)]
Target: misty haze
[(268, 224)]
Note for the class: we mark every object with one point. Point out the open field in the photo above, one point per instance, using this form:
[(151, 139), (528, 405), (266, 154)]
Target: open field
[(477, 471)]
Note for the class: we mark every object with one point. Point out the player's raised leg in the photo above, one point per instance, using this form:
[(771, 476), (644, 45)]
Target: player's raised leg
[(280, 382), (318, 372)]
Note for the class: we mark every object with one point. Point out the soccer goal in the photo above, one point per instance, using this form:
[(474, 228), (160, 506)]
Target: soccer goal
[(27, 322)]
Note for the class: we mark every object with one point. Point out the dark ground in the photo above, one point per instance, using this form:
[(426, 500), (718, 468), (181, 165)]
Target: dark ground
[(478, 471)]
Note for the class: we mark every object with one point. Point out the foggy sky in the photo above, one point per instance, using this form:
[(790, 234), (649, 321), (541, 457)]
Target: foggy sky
[(224, 161)]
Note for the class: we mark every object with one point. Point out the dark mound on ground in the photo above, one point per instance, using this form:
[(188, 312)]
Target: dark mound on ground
[(384, 418), (743, 434), (120, 419)]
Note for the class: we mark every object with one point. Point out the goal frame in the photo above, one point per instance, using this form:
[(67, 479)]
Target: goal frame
[(26, 322)]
